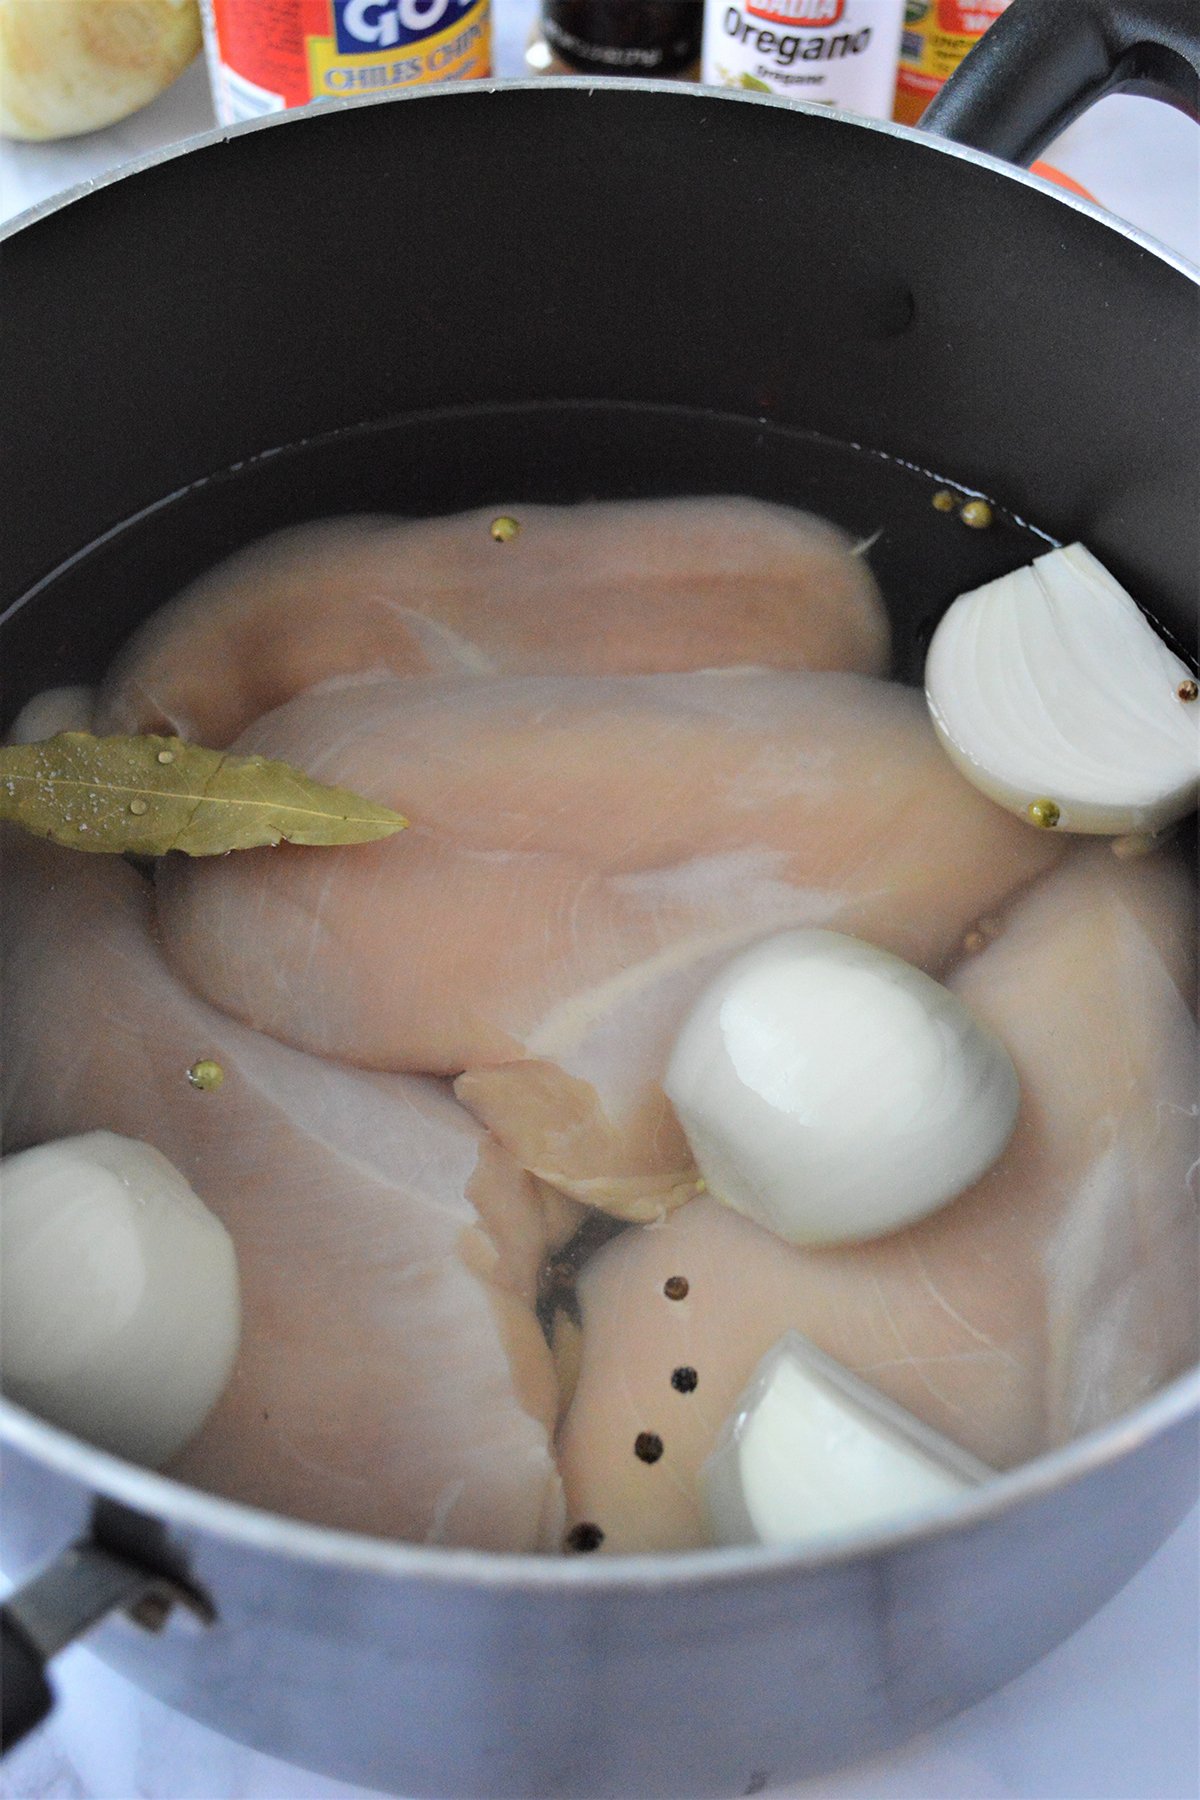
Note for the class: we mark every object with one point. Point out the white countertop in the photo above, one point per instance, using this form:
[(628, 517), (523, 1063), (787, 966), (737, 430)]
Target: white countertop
[(1114, 1714)]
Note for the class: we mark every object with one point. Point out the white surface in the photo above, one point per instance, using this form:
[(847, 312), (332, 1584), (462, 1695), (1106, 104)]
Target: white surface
[(1111, 1715)]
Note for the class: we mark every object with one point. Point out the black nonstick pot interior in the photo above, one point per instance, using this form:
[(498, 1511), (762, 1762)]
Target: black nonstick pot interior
[(556, 291)]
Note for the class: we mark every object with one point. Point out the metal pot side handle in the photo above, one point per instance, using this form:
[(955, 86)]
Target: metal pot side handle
[(1044, 62), (76, 1591)]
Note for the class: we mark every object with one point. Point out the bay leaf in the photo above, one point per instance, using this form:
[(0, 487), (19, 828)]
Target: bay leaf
[(148, 795)]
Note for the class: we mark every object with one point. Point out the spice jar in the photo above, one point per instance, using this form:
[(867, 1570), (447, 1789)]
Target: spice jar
[(265, 55), (937, 35), (617, 37), (832, 52)]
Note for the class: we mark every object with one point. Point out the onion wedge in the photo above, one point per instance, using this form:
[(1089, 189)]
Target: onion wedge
[(812, 1452), (1054, 695)]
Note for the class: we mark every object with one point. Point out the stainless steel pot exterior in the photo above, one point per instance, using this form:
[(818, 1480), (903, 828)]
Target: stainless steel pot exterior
[(498, 246), (434, 1673)]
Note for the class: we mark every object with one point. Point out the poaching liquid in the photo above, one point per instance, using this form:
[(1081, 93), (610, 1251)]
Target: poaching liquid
[(445, 1339)]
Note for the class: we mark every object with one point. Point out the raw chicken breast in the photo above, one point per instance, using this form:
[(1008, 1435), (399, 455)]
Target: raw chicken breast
[(584, 854), (392, 1376), (1054, 1295), (630, 587)]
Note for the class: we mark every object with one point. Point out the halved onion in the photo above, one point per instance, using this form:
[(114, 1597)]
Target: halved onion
[(119, 1303), (811, 1452), (832, 1092), (1054, 695), (51, 711)]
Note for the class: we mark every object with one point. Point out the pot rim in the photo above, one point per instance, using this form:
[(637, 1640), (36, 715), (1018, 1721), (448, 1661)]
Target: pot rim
[(682, 93), (253, 1528), (434, 1565)]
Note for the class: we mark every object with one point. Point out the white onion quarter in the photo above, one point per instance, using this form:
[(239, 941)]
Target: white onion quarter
[(1050, 684), (811, 1452), (832, 1092), (119, 1305)]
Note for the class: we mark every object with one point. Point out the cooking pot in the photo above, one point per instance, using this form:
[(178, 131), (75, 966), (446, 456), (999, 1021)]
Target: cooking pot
[(551, 291)]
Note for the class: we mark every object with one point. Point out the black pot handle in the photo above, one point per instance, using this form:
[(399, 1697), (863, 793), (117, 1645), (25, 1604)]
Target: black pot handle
[(27, 1695), (1044, 62)]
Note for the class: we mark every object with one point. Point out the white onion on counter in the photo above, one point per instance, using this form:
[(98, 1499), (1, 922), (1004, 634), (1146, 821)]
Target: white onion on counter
[(811, 1451), (1055, 696), (119, 1305), (831, 1092), (69, 66)]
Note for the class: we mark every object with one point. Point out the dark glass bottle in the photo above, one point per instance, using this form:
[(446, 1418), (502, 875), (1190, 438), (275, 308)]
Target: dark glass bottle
[(618, 37)]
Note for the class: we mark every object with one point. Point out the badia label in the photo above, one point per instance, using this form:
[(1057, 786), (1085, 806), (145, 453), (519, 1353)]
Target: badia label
[(265, 55), (839, 53)]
